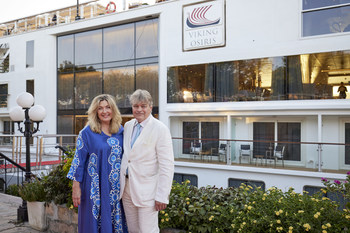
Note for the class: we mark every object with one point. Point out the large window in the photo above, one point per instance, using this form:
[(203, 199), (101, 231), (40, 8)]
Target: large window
[(325, 17), (30, 54), (300, 77), (264, 136), (3, 95), (347, 141), (115, 60), (197, 131)]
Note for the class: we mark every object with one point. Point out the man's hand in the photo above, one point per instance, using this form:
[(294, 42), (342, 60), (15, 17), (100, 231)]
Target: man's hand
[(76, 194), (160, 206)]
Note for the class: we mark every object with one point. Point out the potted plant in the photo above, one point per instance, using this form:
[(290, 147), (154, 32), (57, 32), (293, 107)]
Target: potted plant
[(34, 193)]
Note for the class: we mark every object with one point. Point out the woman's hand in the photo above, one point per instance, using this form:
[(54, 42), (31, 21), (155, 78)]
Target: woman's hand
[(76, 194)]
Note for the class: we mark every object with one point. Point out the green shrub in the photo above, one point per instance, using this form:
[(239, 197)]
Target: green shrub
[(13, 190), (58, 187), (245, 209), (32, 190)]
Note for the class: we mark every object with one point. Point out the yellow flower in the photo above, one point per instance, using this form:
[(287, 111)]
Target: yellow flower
[(317, 215), (307, 226), (162, 212), (278, 221), (263, 198), (231, 211), (167, 219), (249, 207), (328, 225), (71, 207), (291, 228), (187, 181), (324, 231), (347, 216), (162, 220), (277, 213), (166, 215), (187, 199), (211, 218), (254, 221), (188, 203), (324, 198), (301, 211), (323, 190), (233, 225), (324, 227)]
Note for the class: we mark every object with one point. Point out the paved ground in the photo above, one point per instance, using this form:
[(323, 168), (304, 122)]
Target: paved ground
[(8, 216)]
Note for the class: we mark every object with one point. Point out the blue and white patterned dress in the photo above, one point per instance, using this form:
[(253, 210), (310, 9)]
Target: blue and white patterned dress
[(96, 165)]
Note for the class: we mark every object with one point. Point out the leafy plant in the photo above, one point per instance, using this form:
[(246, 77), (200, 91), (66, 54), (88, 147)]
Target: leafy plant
[(339, 187), (32, 190), (13, 190), (248, 209), (58, 188)]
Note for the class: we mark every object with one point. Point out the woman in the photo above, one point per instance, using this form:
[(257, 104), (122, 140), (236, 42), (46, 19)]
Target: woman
[(95, 169)]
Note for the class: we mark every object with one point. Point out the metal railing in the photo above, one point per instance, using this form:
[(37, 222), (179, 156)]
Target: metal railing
[(314, 156), (45, 152)]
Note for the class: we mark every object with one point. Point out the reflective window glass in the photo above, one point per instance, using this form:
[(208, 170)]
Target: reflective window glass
[(147, 38), (65, 91), (30, 54), (190, 84), (310, 4), (334, 20), (306, 76), (88, 85), (147, 78), (118, 43), (65, 53), (3, 95), (65, 126), (88, 47), (190, 130), (120, 83)]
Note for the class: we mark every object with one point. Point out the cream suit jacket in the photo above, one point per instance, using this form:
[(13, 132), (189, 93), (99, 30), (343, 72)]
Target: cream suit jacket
[(150, 163)]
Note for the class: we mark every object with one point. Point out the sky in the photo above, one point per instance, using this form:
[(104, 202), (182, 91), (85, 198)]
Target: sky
[(15, 9)]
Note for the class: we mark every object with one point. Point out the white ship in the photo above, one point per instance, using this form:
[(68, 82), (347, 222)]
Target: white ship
[(252, 91)]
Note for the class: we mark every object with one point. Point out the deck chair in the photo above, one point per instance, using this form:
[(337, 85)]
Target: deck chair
[(279, 154), (245, 151)]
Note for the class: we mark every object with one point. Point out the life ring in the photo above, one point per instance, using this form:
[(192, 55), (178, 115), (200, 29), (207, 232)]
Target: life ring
[(111, 7)]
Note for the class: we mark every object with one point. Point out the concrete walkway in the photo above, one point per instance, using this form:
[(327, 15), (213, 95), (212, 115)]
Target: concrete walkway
[(8, 216)]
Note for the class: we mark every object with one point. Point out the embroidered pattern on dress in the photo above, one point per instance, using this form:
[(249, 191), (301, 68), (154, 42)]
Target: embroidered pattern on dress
[(114, 160), (76, 161), (95, 188)]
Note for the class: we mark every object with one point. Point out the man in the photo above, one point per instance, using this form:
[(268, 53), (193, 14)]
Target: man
[(147, 166)]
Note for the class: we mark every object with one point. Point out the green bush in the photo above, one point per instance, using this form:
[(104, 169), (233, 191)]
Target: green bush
[(13, 190), (57, 186), (245, 209), (32, 190)]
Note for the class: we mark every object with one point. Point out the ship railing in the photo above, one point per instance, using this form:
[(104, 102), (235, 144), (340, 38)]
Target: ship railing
[(308, 156)]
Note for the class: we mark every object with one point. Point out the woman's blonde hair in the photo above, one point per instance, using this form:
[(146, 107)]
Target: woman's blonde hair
[(93, 120)]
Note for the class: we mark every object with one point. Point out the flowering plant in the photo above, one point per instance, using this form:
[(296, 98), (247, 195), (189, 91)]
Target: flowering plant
[(339, 187), (247, 209)]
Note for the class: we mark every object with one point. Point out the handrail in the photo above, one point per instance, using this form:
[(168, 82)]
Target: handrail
[(13, 162)]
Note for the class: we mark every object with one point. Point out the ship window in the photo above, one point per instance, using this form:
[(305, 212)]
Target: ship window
[(238, 182), (325, 17), (199, 131), (347, 141), (179, 178), (3, 95), (286, 132), (30, 54), (146, 38), (334, 196)]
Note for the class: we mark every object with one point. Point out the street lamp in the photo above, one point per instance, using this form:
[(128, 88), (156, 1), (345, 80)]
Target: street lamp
[(27, 114)]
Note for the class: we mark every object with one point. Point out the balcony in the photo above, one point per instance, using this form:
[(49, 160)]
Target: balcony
[(306, 156)]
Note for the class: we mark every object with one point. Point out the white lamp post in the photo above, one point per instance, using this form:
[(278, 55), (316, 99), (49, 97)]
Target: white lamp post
[(27, 114)]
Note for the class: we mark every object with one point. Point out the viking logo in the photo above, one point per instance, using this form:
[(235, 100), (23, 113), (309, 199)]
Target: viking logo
[(197, 18)]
